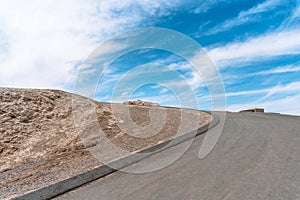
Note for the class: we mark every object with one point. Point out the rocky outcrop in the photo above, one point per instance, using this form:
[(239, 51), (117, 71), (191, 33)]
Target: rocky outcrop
[(35, 124), (140, 103)]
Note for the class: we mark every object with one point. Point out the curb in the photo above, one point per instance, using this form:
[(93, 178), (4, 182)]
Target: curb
[(76, 181)]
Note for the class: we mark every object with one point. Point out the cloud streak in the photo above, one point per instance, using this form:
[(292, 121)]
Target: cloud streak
[(279, 70), (261, 47), (245, 16), (293, 87)]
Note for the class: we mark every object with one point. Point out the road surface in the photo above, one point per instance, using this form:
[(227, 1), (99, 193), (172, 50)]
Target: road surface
[(256, 157)]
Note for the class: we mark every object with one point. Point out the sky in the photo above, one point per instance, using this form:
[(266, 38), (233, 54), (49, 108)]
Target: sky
[(254, 45)]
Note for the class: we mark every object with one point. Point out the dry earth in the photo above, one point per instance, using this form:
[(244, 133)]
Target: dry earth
[(40, 145)]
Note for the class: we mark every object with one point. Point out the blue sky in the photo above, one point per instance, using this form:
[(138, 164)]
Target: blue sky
[(255, 46)]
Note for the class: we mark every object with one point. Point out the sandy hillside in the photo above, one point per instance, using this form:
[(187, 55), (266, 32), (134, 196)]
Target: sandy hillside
[(39, 143)]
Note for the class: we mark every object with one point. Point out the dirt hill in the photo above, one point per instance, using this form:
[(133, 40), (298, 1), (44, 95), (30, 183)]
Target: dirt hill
[(39, 143)]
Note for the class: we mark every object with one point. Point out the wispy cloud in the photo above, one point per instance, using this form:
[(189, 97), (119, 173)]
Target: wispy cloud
[(206, 5), (296, 13), (279, 70), (245, 16), (291, 87), (260, 47)]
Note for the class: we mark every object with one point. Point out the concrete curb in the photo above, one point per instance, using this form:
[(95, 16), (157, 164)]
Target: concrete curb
[(64, 186)]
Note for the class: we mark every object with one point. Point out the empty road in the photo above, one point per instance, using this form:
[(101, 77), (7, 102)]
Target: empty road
[(256, 157)]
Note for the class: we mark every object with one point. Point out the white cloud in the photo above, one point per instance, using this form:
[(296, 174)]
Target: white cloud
[(296, 12), (42, 41), (291, 87), (164, 90), (206, 5), (278, 70), (262, 7), (261, 47), (245, 16)]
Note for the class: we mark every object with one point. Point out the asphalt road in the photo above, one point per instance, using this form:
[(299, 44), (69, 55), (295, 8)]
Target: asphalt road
[(256, 157)]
